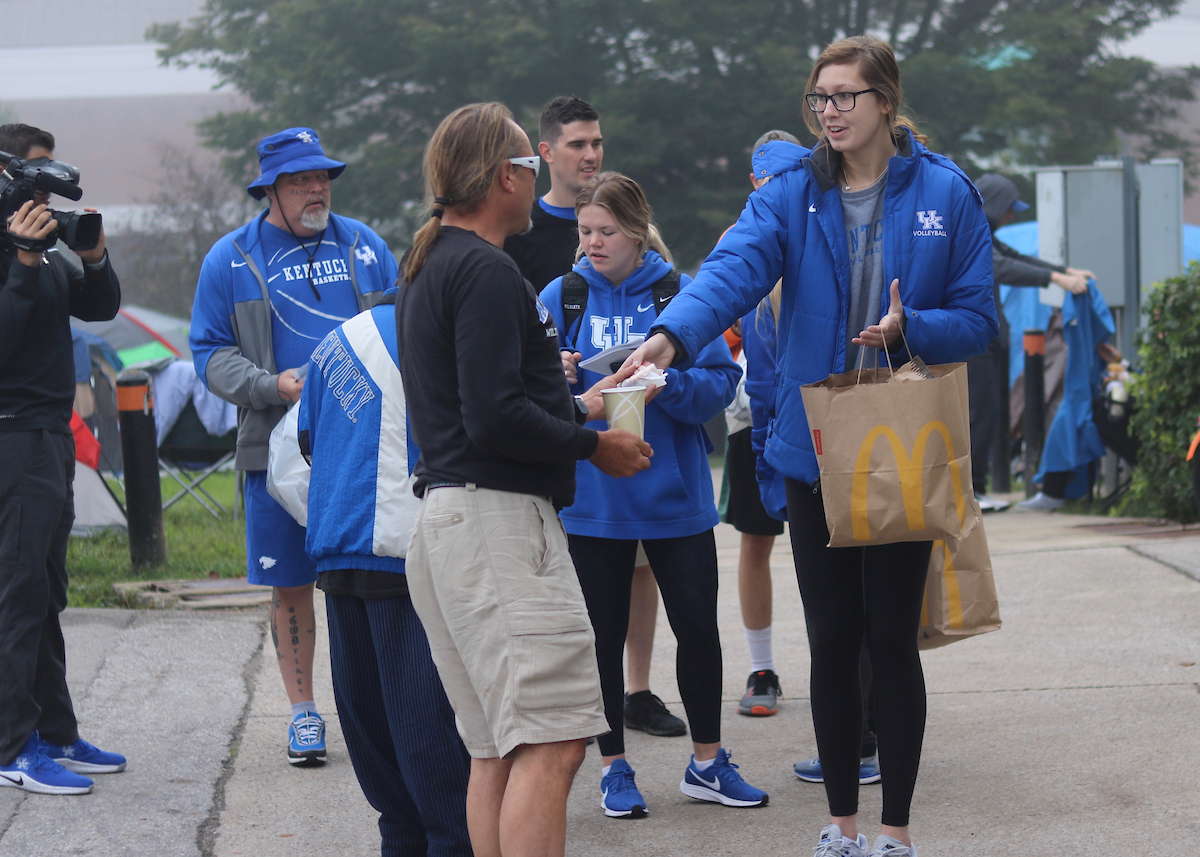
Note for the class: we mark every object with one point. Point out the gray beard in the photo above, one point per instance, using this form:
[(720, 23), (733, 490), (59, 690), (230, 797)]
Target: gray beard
[(528, 228), (313, 221)]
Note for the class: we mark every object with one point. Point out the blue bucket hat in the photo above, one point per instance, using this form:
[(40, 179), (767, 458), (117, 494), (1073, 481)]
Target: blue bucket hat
[(292, 151)]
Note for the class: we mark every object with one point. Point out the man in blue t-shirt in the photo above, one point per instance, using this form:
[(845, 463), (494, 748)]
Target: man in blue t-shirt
[(269, 292)]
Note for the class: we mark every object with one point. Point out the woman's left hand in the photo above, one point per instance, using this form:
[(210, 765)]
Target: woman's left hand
[(885, 333)]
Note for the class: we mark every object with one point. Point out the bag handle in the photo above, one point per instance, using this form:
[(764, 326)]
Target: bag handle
[(887, 356)]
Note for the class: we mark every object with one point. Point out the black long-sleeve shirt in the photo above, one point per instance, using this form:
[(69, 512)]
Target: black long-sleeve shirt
[(37, 368), (1011, 268), (487, 398), (546, 251)]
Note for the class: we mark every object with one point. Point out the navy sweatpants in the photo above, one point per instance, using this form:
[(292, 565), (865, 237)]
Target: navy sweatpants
[(399, 727)]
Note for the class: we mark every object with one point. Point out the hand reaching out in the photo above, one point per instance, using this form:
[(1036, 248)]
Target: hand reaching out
[(884, 334)]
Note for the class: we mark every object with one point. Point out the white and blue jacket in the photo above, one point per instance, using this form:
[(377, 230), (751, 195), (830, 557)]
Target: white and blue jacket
[(936, 242), (674, 497), (353, 427)]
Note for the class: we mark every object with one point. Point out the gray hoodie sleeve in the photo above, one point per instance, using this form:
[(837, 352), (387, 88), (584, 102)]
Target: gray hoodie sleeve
[(236, 379)]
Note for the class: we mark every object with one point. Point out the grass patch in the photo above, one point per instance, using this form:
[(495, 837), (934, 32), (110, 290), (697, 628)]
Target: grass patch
[(198, 545)]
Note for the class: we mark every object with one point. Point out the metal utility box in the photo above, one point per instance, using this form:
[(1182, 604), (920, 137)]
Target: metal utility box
[(1121, 220)]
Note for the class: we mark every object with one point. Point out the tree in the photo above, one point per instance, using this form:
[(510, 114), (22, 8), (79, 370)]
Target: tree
[(683, 86), (162, 255)]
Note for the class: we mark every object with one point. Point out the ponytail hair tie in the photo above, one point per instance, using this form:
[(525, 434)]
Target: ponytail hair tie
[(441, 200), (437, 212)]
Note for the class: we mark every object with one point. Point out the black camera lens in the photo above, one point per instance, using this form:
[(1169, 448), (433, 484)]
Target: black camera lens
[(78, 230)]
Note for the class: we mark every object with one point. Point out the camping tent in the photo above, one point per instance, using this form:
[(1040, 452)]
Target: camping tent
[(141, 335), (95, 506)]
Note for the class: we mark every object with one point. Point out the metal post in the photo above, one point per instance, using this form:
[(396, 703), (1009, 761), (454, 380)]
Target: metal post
[(1035, 404), (1001, 445), (1131, 313), (139, 447)]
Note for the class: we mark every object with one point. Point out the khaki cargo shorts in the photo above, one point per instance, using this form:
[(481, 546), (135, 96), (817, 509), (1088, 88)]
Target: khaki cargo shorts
[(491, 578)]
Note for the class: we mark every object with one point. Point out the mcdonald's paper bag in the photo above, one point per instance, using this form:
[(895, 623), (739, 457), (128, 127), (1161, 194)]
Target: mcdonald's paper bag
[(894, 457), (960, 593)]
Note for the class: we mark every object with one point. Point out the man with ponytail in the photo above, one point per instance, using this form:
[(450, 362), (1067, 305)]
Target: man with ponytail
[(488, 568)]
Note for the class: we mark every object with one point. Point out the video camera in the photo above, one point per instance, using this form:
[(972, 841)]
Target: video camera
[(19, 180)]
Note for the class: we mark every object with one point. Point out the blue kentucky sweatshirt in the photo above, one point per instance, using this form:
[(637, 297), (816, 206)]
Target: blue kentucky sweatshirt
[(674, 497)]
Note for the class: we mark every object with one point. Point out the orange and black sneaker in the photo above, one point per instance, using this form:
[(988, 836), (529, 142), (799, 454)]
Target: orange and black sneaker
[(762, 694)]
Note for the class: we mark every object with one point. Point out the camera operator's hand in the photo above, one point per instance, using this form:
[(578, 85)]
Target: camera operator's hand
[(31, 221), (96, 255)]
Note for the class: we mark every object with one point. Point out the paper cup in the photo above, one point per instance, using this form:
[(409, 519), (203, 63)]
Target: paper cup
[(625, 408)]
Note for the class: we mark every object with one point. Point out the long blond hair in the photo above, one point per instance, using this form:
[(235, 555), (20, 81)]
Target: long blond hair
[(876, 62), (622, 197), (462, 161)]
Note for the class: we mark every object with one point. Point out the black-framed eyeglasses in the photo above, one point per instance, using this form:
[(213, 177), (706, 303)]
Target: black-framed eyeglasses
[(843, 101)]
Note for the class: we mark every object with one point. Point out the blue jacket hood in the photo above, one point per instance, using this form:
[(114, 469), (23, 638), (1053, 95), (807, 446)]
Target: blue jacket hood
[(652, 269), (777, 156)]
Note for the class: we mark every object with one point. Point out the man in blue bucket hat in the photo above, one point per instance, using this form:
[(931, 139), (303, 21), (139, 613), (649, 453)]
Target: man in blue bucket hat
[(268, 293)]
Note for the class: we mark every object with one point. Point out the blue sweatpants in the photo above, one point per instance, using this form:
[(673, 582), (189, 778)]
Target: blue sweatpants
[(399, 727)]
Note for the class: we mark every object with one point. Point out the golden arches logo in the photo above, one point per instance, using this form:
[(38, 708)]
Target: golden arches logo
[(909, 471), (949, 578)]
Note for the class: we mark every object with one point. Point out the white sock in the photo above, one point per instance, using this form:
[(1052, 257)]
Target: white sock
[(702, 766), (761, 656), (604, 771), (301, 707)]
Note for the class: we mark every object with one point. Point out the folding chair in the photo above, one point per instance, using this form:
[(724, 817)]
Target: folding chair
[(189, 454)]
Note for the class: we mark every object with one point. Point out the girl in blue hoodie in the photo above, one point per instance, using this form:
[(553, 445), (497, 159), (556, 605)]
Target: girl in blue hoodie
[(669, 508)]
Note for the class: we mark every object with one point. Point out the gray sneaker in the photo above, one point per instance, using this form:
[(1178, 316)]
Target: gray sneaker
[(762, 694), (991, 504), (833, 844), (1040, 503), (886, 846)]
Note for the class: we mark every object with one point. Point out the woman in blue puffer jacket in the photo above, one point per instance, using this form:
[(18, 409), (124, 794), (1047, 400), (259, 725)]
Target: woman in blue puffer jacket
[(873, 235), (669, 508)]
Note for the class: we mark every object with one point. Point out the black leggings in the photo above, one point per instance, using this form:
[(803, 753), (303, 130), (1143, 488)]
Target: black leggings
[(686, 571), (851, 593)]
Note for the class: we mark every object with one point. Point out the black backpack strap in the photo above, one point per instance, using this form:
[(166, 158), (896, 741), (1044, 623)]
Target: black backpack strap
[(664, 290), (574, 303)]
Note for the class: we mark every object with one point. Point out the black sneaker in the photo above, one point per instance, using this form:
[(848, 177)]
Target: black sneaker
[(645, 712)]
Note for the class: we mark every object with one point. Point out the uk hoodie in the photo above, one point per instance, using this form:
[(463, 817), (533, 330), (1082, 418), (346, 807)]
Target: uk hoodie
[(936, 242), (674, 497), (353, 428)]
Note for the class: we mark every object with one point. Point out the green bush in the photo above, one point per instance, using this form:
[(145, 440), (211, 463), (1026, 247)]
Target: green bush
[(1168, 398)]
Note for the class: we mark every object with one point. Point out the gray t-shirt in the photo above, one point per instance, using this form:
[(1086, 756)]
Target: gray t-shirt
[(863, 213)]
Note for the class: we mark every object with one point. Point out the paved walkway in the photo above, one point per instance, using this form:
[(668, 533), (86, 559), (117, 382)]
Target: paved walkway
[(1069, 730)]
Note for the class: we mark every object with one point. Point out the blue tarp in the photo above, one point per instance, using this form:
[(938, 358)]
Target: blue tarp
[(1073, 441), (80, 342), (1021, 305)]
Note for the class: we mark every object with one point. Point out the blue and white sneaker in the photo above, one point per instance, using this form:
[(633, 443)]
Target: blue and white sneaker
[(34, 771), (306, 740), (83, 758), (833, 844), (810, 771), (619, 795), (721, 783)]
